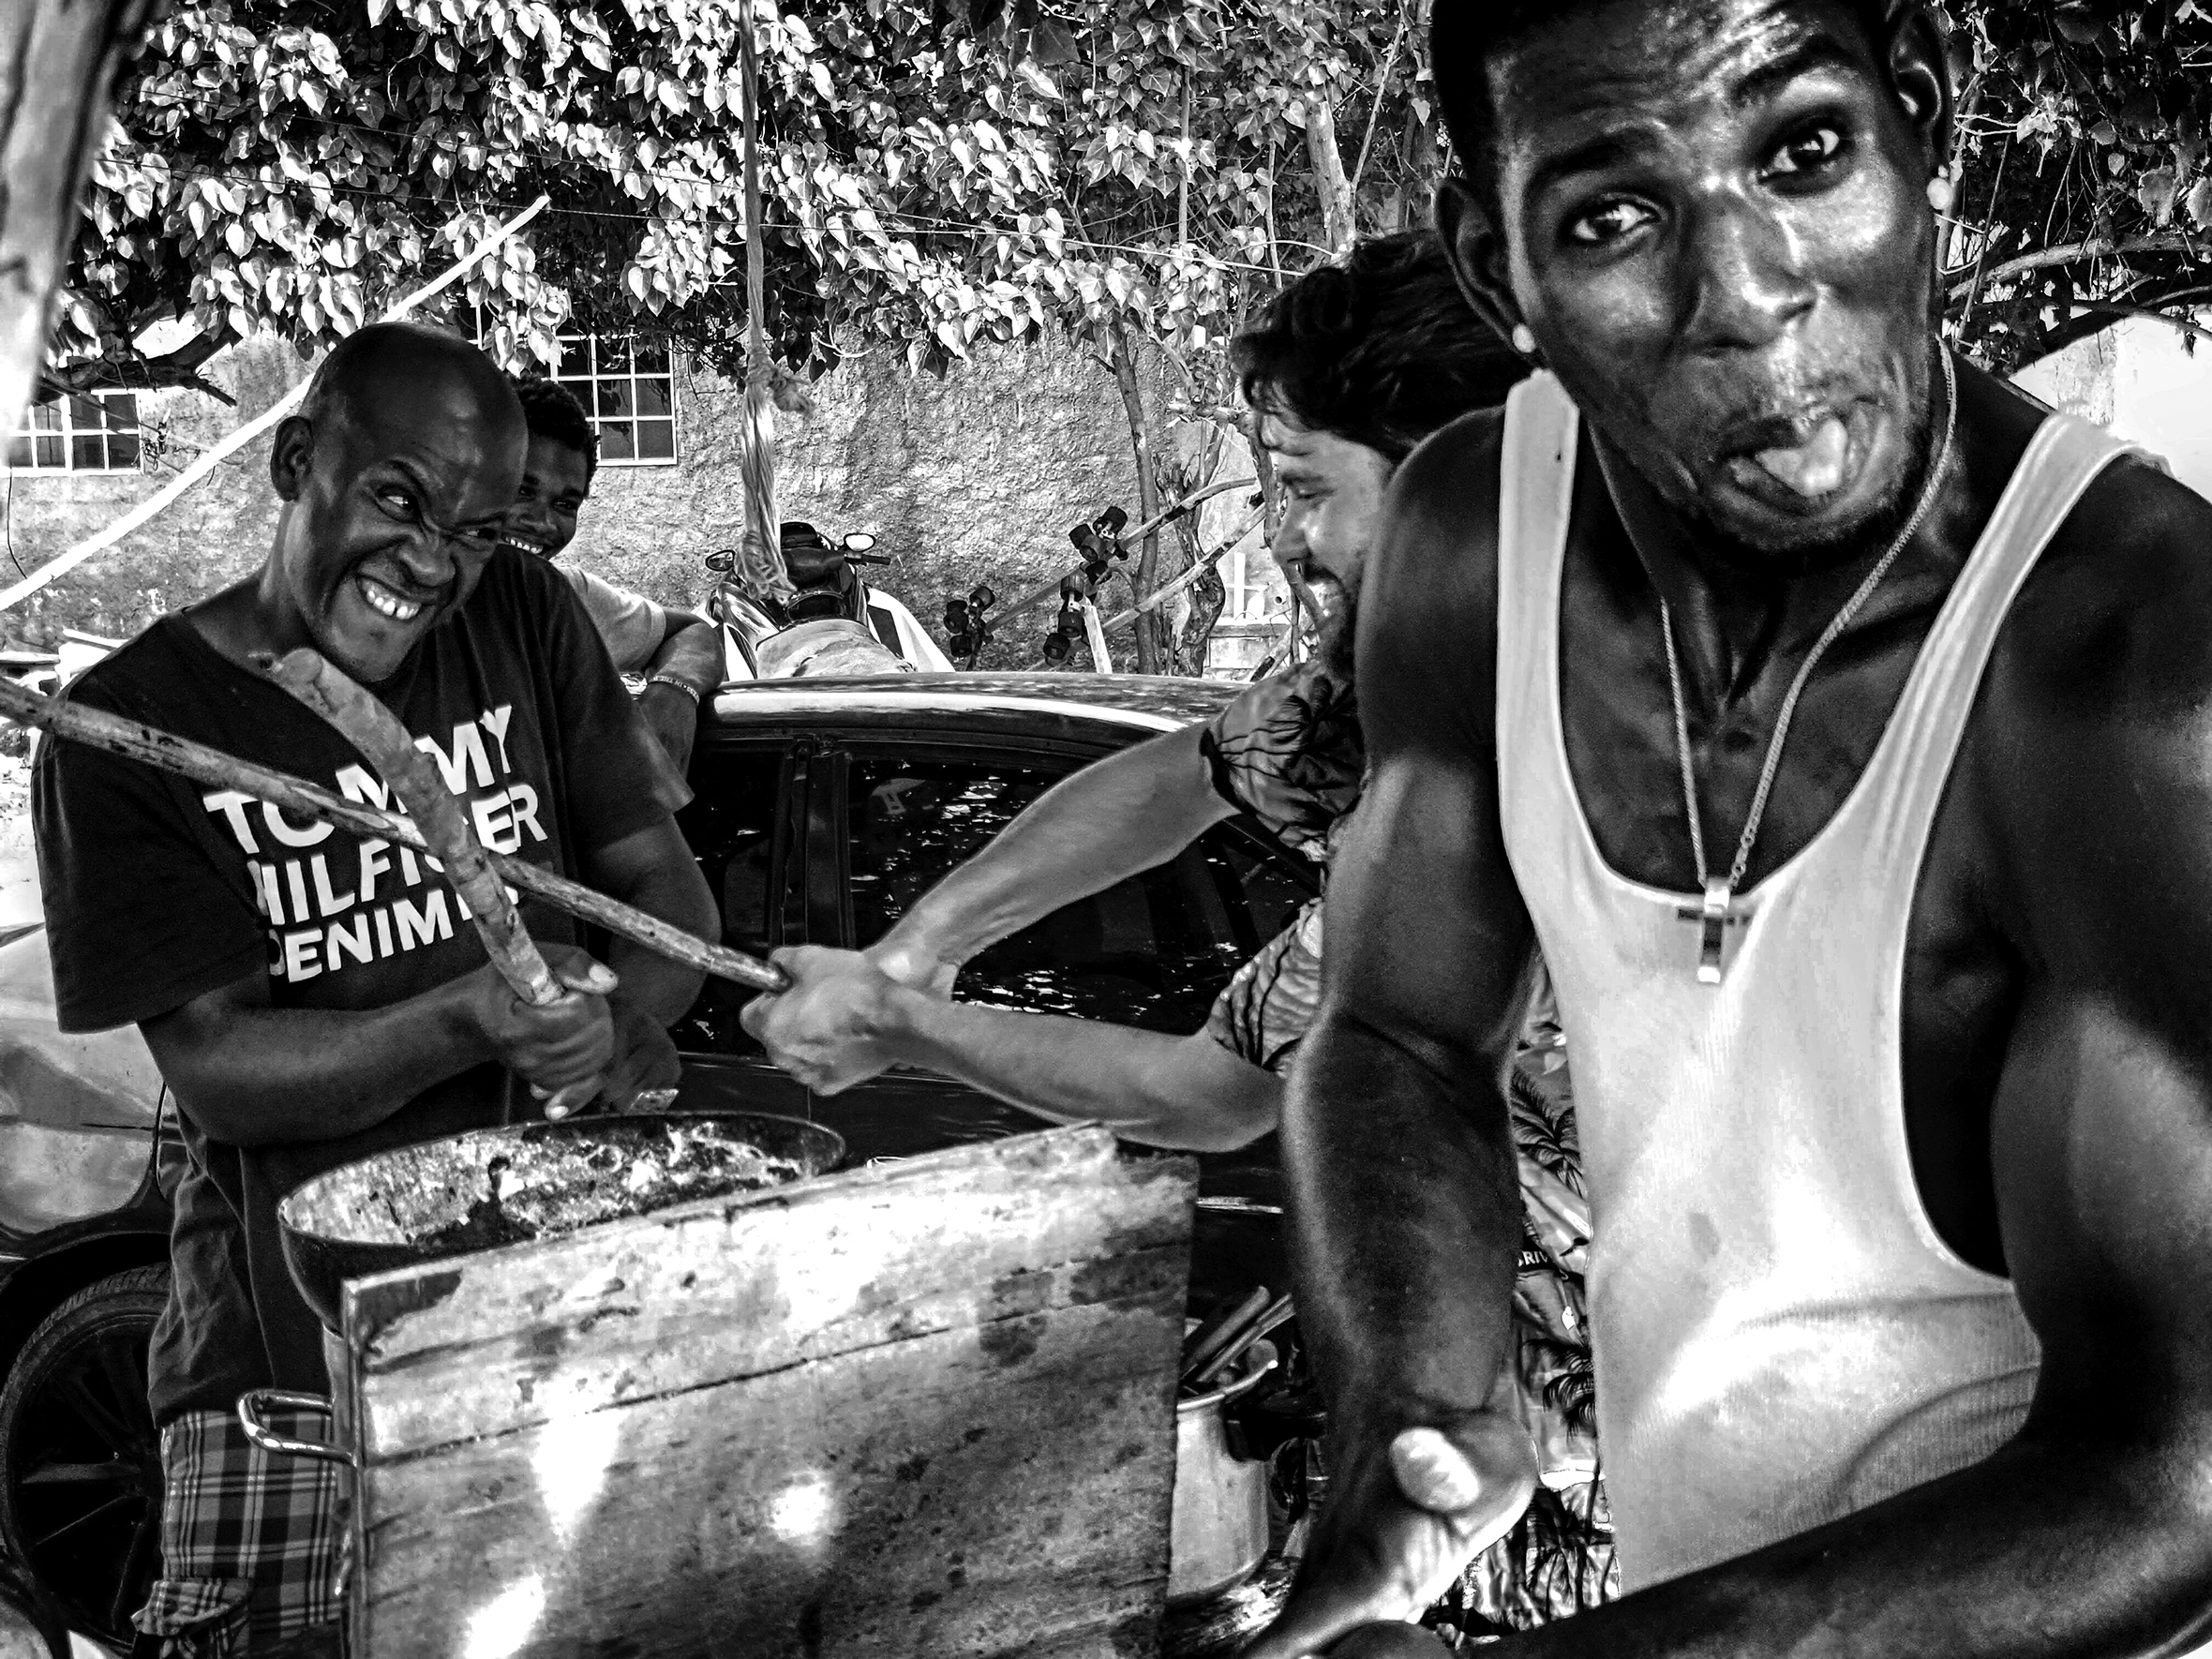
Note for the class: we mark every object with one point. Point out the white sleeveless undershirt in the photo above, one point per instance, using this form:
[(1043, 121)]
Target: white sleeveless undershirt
[(1781, 1337)]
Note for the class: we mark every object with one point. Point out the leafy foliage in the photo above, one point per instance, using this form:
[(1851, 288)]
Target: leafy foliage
[(1134, 173), (943, 175), (289, 166), (2085, 193)]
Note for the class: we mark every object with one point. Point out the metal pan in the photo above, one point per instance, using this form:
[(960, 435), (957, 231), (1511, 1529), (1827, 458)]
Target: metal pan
[(539, 1180)]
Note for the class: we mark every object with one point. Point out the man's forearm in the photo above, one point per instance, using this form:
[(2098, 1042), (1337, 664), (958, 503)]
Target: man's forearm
[(1187, 1093), (678, 895), (691, 654), (2044, 1551), (1119, 816), (1403, 1178), (268, 1077)]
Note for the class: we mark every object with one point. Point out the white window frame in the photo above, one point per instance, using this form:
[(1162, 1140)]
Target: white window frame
[(586, 387), (56, 422), (1248, 586)]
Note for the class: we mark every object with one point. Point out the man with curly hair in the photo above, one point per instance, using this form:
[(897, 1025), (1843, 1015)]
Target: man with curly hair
[(1351, 369)]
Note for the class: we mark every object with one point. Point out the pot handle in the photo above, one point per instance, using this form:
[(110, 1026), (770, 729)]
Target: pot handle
[(256, 1400), (1235, 1391)]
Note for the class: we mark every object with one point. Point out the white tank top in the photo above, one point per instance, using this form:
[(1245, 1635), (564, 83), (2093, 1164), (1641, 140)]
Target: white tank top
[(1780, 1336)]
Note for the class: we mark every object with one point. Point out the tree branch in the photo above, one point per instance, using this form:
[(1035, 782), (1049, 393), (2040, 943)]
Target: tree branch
[(2069, 253), (179, 368), (1381, 86), (2191, 329)]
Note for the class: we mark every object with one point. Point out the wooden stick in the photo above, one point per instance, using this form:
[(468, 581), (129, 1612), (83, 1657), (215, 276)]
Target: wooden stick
[(376, 731), (1278, 1312), (1224, 1331), (115, 734), (1029, 602)]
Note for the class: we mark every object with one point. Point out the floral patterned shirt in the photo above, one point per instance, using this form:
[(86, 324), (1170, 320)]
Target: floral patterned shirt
[(1290, 752)]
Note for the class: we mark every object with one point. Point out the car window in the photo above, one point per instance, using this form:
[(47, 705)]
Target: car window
[(1152, 952), (735, 826)]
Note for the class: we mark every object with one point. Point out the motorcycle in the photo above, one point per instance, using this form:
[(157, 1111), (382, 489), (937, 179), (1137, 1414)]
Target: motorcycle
[(835, 624)]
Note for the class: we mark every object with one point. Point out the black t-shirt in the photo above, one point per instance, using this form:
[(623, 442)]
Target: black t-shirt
[(158, 890)]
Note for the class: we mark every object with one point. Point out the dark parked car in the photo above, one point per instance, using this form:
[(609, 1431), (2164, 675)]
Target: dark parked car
[(824, 809)]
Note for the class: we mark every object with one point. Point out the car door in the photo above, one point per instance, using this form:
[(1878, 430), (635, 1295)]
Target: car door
[(747, 826), (1152, 952)]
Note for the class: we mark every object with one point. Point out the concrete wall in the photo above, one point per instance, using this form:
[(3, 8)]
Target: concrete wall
[(213, 536), (2141, 379), (976, 477)]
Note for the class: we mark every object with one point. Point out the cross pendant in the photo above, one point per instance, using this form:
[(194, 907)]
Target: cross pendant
[(1714, 921)]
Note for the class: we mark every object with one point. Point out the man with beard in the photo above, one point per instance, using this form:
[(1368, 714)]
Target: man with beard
[(1353, 365), (1833, 718), (313, 997)]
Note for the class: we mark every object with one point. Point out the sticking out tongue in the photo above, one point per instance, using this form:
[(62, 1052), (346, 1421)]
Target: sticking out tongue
[(1814, 468)]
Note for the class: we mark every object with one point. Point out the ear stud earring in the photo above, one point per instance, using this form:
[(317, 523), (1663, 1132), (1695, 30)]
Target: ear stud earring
[(1940, 192), (1524, 339)]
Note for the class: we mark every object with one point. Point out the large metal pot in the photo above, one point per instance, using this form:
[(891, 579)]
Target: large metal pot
[(509, 1185), (539, 1180), (1219, 1530)]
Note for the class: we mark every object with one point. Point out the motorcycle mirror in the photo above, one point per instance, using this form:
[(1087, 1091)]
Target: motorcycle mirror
[(859, 542), (722, 558)]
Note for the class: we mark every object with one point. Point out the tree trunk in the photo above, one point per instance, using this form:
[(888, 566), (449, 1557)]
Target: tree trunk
[(1208, 594), (1270, 491), (1149, 652), (1338, 223), (58, 61), (1411, 200)]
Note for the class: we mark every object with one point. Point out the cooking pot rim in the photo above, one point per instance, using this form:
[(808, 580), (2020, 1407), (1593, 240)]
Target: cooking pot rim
[(1237, 1387), (286, 1210)]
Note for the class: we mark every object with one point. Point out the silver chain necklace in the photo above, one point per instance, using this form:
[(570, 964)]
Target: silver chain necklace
[(1720, 890)]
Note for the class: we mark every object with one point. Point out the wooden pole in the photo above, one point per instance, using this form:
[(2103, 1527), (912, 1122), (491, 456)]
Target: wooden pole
[(57, 64), (134, 741), (376, 731), (1029, 602), (760, 556)]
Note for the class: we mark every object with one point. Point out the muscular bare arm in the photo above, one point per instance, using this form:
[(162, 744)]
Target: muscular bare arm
[(2092, 1532), (1395, 1132), (253, 1076), (843, 1020), (690, 654), (1119, 816)]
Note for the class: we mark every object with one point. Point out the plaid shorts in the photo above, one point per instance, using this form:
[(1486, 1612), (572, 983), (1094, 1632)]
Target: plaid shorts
[(250, 1540)]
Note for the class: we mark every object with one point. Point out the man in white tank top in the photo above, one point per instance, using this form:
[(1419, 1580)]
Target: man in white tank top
[(1836, 724)]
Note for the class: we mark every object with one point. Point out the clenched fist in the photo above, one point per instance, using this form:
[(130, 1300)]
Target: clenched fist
[(839, 1024)]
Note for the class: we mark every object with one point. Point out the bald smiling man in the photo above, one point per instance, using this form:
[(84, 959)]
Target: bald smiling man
[(312, 997)]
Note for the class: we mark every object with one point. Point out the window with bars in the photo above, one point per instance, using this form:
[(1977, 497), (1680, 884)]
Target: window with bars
[(627, 386), (1251, 581), (79, 434)]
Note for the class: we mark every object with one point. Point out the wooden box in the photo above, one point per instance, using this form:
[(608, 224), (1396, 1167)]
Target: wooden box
[(924, 1409)]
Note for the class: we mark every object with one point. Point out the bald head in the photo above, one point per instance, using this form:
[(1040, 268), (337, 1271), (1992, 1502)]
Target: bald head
[(409, 372)]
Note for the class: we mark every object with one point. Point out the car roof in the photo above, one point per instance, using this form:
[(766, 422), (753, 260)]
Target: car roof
[(1149, 701)]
